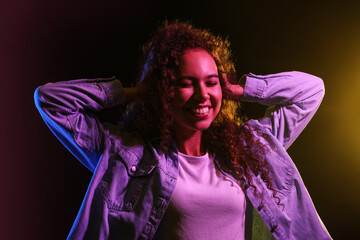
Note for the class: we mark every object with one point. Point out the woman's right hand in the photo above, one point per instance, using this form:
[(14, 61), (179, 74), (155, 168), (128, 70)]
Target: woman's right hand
[(134, 93)]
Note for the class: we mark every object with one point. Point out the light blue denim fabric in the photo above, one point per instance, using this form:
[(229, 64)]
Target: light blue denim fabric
[(133, 182)]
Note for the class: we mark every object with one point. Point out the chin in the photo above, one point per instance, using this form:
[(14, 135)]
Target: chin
[(202, 127)]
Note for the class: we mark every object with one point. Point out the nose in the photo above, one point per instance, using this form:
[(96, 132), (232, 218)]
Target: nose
[(201, 92)]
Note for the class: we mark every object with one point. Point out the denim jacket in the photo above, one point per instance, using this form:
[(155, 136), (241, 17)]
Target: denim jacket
[(133, 181)]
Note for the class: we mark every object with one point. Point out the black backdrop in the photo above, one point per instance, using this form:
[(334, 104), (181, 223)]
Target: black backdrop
[(42, 185)]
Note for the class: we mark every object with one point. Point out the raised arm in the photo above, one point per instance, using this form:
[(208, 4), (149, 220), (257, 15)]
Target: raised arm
[(68, 109), (292, 97)]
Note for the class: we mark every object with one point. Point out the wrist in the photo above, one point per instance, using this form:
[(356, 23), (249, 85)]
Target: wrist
[(131, 94), (236, 91)]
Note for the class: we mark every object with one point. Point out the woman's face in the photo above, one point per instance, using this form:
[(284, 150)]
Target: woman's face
[(198, 92)]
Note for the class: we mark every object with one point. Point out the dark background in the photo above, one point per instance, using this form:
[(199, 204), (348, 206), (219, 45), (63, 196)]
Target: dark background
[(42, 185)]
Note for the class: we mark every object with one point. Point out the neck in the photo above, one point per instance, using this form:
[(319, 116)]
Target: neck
[(188, 142)]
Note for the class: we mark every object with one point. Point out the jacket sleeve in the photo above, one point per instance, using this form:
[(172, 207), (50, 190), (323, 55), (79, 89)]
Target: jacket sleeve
[(68, 110), (292, 97)]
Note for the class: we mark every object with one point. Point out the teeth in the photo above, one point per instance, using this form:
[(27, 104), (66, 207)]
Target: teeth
[(201, 110)]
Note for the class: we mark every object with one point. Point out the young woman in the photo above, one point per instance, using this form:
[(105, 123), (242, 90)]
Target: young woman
[(183, 163)]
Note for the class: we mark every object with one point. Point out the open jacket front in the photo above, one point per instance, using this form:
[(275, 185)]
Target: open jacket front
[(133, 182)]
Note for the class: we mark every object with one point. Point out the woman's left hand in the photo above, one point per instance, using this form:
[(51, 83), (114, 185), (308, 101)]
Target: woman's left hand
[(235, 91)]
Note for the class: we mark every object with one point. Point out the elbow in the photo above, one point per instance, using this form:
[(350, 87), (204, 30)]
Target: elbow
[(39, 102), (313, 82), (37, 97), (43, 93), (40, 96), (322, 87), (319, 86)]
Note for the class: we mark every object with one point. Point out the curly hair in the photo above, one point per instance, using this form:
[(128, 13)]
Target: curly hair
[(229, 139)]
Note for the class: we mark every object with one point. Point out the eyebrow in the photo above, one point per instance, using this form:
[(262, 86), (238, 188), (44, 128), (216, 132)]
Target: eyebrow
[(194, 78)]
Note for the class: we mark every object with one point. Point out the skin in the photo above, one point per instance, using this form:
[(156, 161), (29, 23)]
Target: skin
[(198, 97)]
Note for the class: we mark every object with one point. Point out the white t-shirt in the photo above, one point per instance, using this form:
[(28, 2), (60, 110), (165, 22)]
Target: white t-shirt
[(205, 204)]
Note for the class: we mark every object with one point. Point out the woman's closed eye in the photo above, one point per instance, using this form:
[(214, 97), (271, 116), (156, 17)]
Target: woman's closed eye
[(212, 82), (184, 83)]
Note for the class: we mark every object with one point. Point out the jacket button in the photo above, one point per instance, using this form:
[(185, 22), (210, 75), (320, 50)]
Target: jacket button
[(133, 169), (147, 229), (273, 228)]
